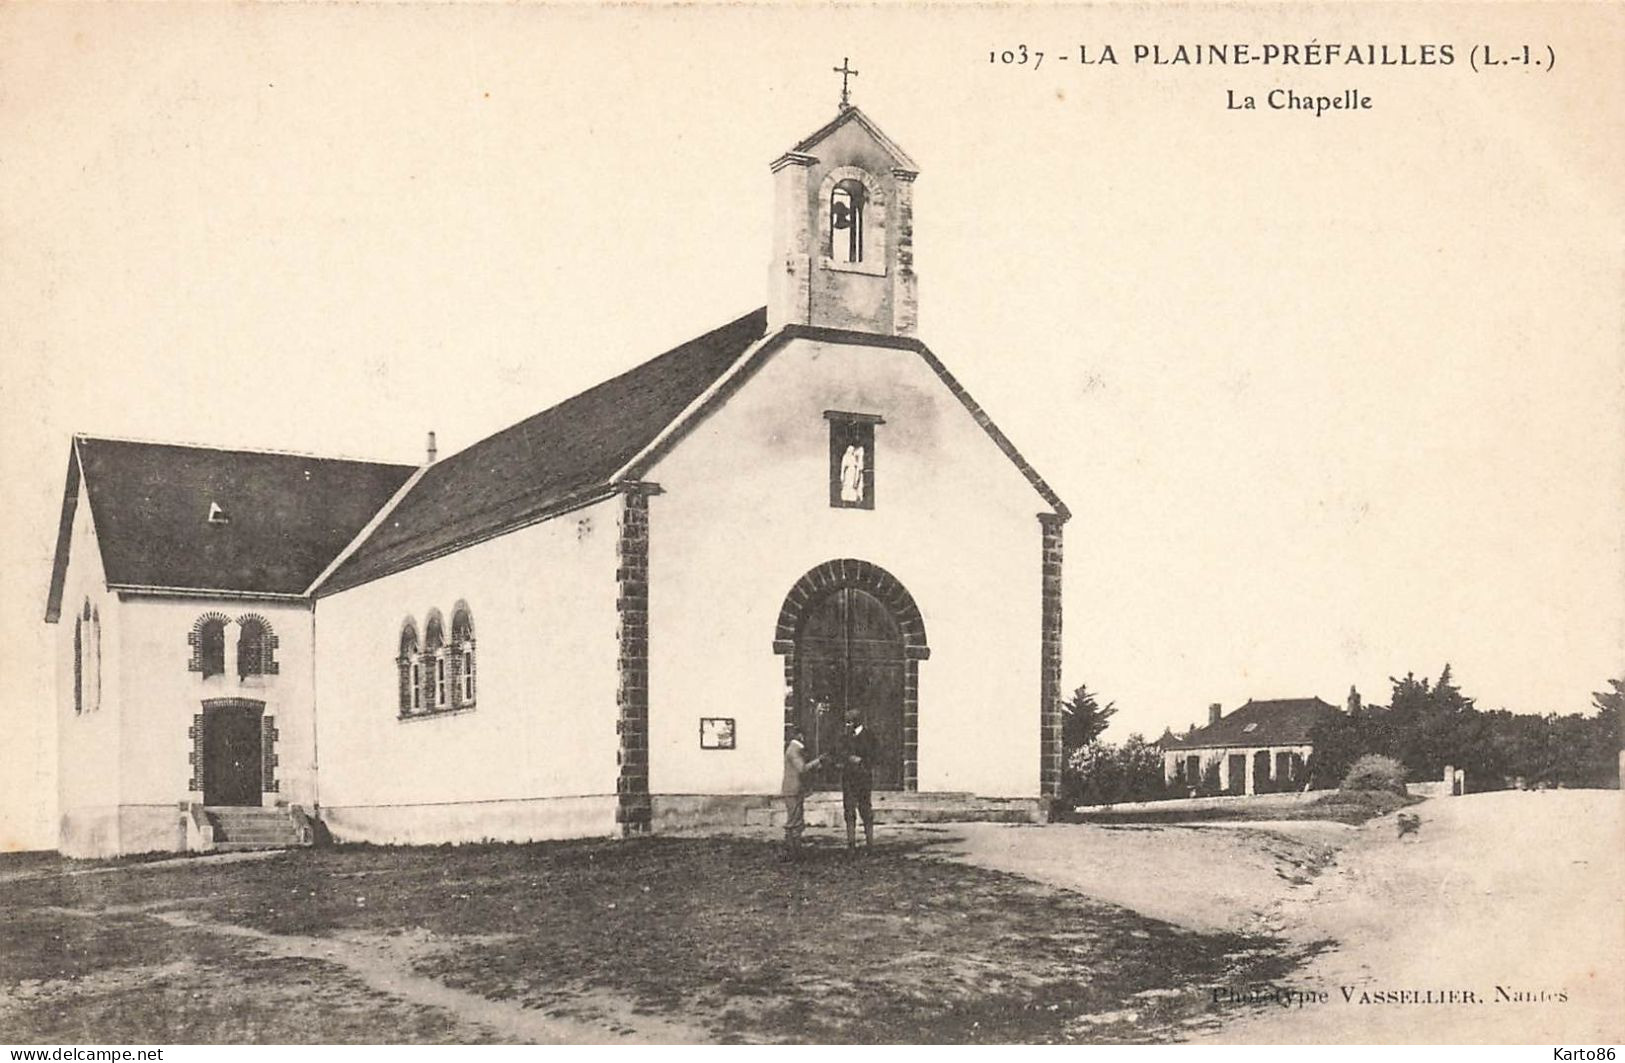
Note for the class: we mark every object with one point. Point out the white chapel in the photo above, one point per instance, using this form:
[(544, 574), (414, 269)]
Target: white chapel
[(601, 620)]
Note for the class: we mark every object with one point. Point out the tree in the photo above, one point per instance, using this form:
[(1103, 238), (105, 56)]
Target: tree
[(1337, 742), (1610, 706), (1432, 725), (1142, 769), (1340, 740), (1587, 747), (1083, 719)]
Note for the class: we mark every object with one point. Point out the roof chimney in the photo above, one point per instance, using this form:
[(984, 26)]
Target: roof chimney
[(1213, 713), (432, 450), (1354, 701)]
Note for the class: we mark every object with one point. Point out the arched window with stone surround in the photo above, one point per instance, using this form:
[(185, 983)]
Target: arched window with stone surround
[(852, 209), (410, 669), (435, 690), (256, 646), (462, 655), (208, 639)]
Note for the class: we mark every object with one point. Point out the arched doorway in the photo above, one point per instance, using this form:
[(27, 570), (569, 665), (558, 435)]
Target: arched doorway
[(849, 653), (852, 637)]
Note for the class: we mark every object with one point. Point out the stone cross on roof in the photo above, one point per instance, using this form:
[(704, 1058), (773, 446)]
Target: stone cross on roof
[(845, 71)]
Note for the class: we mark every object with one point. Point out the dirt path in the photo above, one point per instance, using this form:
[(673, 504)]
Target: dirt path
[(59, 868), (1516, 890), (384, 963), (1167, 872)]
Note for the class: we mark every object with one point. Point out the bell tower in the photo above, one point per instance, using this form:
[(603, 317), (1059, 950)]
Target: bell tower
[(843, 230)]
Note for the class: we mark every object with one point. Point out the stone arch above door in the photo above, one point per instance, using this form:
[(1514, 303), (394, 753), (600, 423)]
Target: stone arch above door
[(815, 588), (862, 575)]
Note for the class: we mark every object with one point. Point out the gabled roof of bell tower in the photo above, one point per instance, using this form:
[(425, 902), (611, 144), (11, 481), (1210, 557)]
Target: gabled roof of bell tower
[(853, 114)]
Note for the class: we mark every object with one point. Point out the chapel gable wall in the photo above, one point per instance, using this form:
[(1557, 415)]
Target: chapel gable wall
[(744, 511)]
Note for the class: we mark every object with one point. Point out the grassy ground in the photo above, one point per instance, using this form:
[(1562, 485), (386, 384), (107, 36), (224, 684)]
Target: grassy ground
[(1337, 806), (717, 937)]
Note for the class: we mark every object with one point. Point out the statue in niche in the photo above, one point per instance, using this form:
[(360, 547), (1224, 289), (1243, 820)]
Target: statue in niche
[(852, 474)]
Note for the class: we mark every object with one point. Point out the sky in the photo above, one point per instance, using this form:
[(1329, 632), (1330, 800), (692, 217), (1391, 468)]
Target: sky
[(1332, 398)]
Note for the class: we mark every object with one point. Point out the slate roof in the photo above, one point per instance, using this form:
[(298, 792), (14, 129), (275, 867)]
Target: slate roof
[(288, 515), (1278, 722), (565, 453), (293, 518)]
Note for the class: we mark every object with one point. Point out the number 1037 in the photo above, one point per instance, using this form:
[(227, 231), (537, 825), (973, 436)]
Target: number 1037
[(1017, 56)]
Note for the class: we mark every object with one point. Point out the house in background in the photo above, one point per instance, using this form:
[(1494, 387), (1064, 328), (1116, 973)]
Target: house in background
[(1262, 747)]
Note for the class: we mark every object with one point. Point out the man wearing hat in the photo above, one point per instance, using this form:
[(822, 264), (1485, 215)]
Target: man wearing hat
[(855, 753)]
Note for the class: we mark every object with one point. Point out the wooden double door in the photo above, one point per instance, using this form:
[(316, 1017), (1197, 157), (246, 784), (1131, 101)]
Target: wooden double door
[(849, 654)]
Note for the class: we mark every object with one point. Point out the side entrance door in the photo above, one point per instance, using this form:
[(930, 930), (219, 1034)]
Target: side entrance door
[(1238, 773), (232, 752), (850, 654)]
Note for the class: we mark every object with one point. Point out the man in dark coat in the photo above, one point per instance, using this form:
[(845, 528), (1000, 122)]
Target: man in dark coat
[(855, 753)]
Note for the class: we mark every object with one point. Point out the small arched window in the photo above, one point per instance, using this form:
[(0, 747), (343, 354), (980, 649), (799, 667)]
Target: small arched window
[(78, 664), (93, 672), (211, 646), (433, 679), (411, 684), (256, 647), (462, 655), (846, 208)]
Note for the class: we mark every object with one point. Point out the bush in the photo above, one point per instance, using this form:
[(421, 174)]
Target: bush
[(1106, 774), (1210, 780), (1376, 772)]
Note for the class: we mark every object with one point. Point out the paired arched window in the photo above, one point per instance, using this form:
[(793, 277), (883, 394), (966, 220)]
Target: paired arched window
[(462, 643), (211, 646), (255, 646), (437, 674), (434, 659), (410, 667)]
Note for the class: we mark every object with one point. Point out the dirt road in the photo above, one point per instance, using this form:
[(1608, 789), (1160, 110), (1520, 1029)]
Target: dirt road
[(1170, 872), (1514, 902)]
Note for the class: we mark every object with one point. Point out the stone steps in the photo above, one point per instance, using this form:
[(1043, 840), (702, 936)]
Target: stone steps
[(254, 828), (823, 809)]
